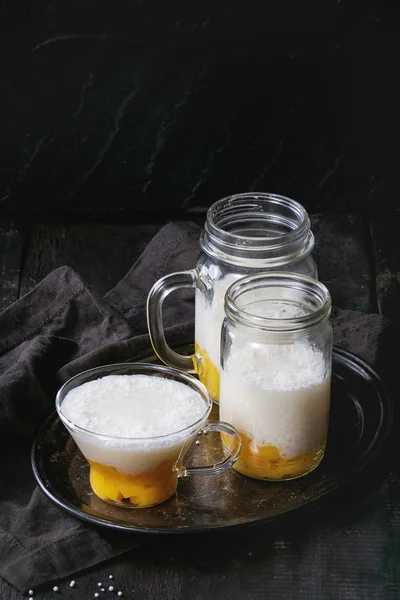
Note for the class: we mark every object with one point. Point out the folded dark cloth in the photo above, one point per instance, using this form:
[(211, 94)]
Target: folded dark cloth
[(59, 329)]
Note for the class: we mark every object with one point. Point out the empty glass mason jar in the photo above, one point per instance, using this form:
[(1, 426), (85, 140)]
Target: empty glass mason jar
[(243, 234), (276, 362)]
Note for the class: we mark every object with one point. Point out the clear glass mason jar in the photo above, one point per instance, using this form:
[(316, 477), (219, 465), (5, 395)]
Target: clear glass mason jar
[(276, 362), (243, 234)]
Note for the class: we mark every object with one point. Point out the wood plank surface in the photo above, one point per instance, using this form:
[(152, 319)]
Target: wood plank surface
[(312, 555), (384, 227), (343, 260), (385, 234), (11, 248), (101, 253)]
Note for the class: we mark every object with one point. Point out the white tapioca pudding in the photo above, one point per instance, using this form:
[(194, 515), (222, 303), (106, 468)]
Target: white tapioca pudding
[(209, 316), (134, 424), (276, 373)]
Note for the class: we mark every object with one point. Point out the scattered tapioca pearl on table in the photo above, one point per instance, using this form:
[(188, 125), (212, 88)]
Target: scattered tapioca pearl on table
[(72, 584)]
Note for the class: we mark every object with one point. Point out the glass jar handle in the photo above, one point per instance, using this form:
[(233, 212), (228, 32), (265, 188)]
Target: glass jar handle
[(155, 299), (225, 463)]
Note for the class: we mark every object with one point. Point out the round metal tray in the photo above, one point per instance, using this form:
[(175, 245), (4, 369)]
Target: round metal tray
[(361, 415)]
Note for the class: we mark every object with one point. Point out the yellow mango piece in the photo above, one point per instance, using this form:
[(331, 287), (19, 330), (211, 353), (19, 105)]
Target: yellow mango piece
[(208, 372), (265, 462), (145, 489)]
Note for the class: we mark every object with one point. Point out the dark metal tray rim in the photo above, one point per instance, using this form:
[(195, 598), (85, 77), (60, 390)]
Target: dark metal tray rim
[(375, 445)]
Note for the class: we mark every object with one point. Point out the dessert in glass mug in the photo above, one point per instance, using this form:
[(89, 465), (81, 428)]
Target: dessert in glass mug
[(243, 234), (134, 423)]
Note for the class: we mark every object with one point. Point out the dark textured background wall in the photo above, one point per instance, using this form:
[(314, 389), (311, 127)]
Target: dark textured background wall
[(151, 104)]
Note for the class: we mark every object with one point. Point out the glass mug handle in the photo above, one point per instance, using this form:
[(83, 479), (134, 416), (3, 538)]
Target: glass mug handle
[(224, 464), (155, 299)]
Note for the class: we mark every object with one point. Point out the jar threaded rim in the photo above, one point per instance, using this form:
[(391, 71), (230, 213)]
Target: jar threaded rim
[(317, 293), (278, 230)]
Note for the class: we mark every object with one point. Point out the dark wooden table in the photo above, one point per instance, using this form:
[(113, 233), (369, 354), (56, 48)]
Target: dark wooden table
[(345, 546)]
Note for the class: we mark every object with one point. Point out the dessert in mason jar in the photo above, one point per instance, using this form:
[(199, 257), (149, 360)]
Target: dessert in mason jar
[(131, 437), (243, 234), (278, 397), (276, 376)]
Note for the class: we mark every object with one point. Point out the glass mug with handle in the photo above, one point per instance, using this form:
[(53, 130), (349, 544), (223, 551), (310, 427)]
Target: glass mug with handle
[(139, 471), (244, 234)]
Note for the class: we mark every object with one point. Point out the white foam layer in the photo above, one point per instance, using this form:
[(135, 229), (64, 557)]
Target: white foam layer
[(277, 395), (133, 406), (132, 459), (276, 367)]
